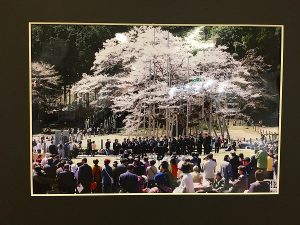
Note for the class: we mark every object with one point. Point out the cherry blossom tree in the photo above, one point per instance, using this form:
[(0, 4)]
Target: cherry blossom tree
[(45, 83), (157, 78)]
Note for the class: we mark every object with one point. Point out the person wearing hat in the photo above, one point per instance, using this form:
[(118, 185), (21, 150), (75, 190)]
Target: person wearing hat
[(107, 179), (97, 175), (128, 181), (66, 181)]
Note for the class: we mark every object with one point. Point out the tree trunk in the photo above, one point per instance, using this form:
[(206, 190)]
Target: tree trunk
[(65, 94)]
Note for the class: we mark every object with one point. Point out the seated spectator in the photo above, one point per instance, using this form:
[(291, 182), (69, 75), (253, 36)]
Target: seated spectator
[(151, 171), (241, 184), (160, 184), (259, 185), (218, 184), (197, 177), (186, 183)]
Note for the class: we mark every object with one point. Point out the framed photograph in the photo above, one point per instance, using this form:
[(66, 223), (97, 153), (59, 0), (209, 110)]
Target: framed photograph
[(204, 93), (145, 109)]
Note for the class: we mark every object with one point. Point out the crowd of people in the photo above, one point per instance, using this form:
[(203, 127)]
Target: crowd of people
[(183, 145), (176, 168)]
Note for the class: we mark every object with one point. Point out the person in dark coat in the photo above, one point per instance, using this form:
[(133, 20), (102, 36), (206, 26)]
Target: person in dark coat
[(66, 181), (85, 176), (107, 179), (199, 143), (240, 184), (207, 144), (260, 185), (89, 147), (53, 149), (173, 146), (234, 162), (116, 147), (129, 181), (139, 167), (41, 183)]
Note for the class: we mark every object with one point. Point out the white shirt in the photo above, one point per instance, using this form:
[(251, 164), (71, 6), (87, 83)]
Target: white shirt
[(187, 183), (209, 168)]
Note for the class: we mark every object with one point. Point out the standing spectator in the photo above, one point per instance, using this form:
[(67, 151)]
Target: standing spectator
[(209, 168), (107, 147), (262, 159), (275, 167), (122, 168), (260, 185), (115, 176), (129, 181), (52, 149), (94, 148), (226, 171), (66, 181), (139, 168), (116, 147), (107, 179), (217, 145), (85, 176), (41, 183), (45, 160), (207, 144), (270, 162), (250, 170), (66, 150), (89, 147), (61, 151), (199, 143), (174, 166), (234, 162), (241, 159), (96, 171), (146, 162)]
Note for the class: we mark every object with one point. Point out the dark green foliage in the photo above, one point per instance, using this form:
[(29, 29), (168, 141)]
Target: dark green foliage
[(70, 48), (265, 40)]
